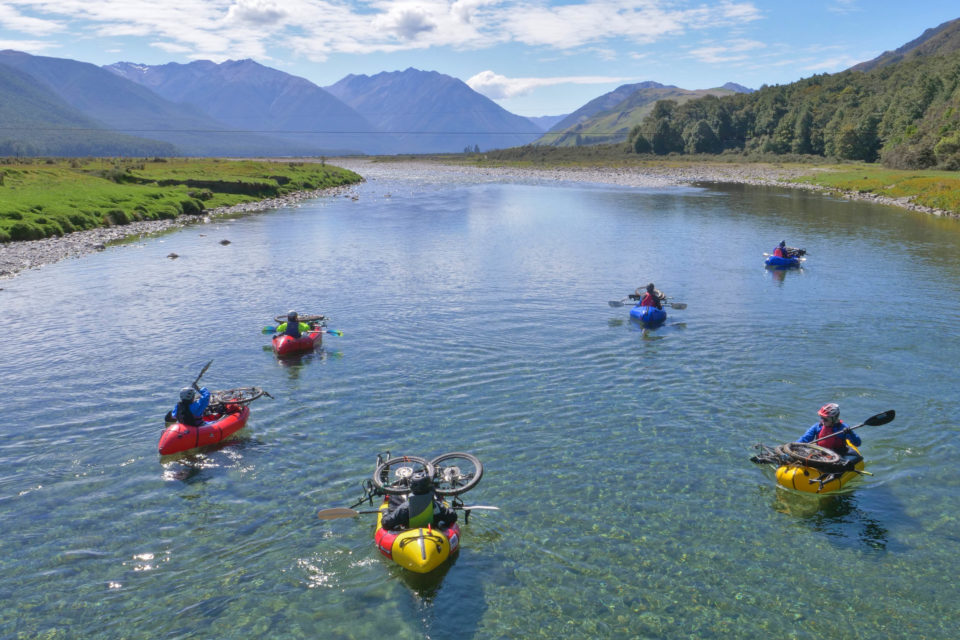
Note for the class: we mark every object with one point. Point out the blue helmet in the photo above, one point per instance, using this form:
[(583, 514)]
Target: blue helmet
[(291, 316)]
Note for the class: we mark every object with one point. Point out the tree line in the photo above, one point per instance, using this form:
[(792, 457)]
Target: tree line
[(905, 115)]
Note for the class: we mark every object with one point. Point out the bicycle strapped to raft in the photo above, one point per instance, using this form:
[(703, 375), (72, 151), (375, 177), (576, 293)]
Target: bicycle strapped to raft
[(453, 474)]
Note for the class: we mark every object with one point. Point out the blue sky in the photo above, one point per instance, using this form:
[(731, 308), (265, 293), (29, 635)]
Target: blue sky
[(533, 58)]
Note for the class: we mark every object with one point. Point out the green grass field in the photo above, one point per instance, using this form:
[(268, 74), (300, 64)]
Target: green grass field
[(938, 189), (43, 198)]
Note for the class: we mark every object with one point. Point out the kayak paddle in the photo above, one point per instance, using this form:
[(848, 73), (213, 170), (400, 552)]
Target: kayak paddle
[(672, 305), (343, 512), (333, 332), (202, 371), (872, 421)]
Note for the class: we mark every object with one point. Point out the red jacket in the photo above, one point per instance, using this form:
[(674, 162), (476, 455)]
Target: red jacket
[(650, 301)]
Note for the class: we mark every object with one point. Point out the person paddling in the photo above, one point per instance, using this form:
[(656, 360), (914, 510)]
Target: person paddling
[(420, 508), (650, 298), (293, 327), (189, 410), (835, 434), (783, 251)]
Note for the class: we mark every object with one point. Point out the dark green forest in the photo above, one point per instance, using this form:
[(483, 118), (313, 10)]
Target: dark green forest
[(905, 115)]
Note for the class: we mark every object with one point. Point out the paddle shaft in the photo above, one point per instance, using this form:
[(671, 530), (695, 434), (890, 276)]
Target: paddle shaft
[(202, 371), (342, 512), (873, 421)]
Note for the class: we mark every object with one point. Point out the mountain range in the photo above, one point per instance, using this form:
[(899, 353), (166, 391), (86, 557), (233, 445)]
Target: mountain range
[(242, 108)]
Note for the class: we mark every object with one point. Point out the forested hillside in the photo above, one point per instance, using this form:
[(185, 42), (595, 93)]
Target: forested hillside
[(34, 121), (905, 114)]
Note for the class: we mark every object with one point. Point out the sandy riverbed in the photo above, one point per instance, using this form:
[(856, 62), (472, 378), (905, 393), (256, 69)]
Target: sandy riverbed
[(17, 256)]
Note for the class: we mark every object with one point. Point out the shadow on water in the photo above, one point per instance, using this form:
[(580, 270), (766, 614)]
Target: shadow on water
[(296, 361), (655, 332), (843, 519), (196, 465), (779, 274), (448, 602)]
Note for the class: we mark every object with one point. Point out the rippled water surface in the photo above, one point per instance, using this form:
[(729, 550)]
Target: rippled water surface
[(476, 319)]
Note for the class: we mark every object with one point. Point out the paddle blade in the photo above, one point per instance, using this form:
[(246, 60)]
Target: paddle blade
[(337, 512), (268, 330), (335, 332), (880, 418), (678, 305), (615, 303)]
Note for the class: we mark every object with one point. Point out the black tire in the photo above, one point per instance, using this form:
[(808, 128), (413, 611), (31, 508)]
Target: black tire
[(450, 479), (399, 486), (240, 395), (813, 455), (307, 319)]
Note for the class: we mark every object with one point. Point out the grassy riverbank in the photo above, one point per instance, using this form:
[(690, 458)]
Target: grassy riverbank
[(43, 198), (928, 188)]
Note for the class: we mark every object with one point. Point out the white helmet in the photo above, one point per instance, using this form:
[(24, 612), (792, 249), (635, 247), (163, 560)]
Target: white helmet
[(187, 393)]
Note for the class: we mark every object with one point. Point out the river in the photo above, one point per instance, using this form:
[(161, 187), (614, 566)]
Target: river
[(475, 319)]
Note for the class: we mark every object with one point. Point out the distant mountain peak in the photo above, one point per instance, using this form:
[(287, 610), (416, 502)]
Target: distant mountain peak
[(737, 88)]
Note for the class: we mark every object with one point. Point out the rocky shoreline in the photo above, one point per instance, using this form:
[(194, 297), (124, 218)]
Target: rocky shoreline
[(17, 256), (29, 254)]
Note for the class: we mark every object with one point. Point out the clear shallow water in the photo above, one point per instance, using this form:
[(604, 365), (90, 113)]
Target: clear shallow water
[(476, 319)]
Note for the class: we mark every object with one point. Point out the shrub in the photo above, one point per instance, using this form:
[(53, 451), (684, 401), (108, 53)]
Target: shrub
[(25, 231), (191, 207), (202, 194), (116, 216)]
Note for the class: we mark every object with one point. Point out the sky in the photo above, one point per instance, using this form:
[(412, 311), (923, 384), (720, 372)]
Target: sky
[(533, 58)]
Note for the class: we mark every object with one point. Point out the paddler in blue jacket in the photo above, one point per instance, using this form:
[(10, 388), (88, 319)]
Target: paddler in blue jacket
[(293, 327), (421, 507), (838, 432), (189, 410)]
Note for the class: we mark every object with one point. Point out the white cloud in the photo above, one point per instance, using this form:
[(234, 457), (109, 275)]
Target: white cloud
[(496, 86), (255, 12), (13, 20), (315, 29), (732, 51), (844, 6), (837, 63), (27, 46)]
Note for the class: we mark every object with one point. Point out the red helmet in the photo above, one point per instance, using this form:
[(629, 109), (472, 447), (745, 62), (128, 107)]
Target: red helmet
[(829, 410)]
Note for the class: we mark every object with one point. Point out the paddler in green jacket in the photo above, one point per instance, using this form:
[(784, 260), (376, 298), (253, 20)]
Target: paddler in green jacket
[(419, 509), (293, 327)]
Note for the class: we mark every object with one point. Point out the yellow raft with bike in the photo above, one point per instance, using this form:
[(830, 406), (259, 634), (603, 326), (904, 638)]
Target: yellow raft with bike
[(801, 477)]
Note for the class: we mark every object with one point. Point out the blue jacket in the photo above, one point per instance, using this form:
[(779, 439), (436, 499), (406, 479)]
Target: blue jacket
[(196, 409), (812, 432)]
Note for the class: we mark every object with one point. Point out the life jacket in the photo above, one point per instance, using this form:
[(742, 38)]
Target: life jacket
[(185, 416), (778, 252), (291, 329), (836, 443), (421, 510), (650, 301)]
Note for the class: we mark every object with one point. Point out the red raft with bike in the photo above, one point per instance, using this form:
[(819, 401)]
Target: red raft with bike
[(226, 414)]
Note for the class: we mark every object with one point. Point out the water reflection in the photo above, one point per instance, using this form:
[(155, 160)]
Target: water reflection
[(839, 517), (447, 606), (779, 274), (187, 466)]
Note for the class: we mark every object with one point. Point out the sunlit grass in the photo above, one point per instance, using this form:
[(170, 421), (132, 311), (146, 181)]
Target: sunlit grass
[(42, 198)]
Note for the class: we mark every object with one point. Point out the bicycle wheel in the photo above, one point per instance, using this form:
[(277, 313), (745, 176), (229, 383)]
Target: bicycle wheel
[(456, 473), (403, 468)]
